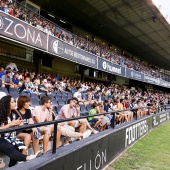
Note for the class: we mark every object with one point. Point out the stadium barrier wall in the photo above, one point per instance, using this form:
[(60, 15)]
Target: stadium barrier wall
[(97, 151)]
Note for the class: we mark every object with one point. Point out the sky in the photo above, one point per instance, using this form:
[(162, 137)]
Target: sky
[(164, 8)]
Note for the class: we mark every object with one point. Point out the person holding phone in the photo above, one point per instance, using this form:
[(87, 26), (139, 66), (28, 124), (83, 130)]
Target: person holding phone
[(11, 149), (24, 114)]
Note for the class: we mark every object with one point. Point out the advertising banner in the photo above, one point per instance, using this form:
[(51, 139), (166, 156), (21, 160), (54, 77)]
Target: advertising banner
[(109, 67), (60, 48), (152, 80), (24, 33), (132, 74), (18, 30)]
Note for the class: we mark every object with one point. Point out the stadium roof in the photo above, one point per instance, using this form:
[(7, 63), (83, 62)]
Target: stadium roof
[(136, 26)]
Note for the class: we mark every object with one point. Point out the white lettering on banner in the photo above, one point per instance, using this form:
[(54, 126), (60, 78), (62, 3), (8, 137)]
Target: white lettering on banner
[(99, 160), (31, 36), (135, 131), (152, 80), (6, 30), (59, 48), (168, 115), (16, 33), (68, 52), (1, 23), (163, 117), (82, 57), (155, 123), (26, 33), (136, 75), (110, 68)]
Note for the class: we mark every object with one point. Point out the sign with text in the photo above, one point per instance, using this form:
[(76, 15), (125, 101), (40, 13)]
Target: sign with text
[(134, 75), (109, 67), (152, 80), (18, 30), (61, 48)]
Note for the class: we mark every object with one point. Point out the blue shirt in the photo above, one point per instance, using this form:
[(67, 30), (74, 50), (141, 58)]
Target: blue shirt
[(85, 96), (2, 9), (1, 74), (15, 81), (106, 107)]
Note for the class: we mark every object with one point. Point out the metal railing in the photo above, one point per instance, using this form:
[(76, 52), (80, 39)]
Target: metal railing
[(55, 122)]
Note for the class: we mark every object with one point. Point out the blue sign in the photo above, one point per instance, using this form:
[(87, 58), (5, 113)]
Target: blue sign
[(152, 80), (70, 52), (109, 67), (132, 74)]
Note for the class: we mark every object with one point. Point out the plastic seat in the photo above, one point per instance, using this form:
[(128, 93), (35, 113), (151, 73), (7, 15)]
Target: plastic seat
[(89, 107), (64, 93), (42, 94), (34, 95), (59, 93), (53, 93), (55, 103), (69, 93), (73, 90), (14, 95), (57, 97), (0, 82), (51, 96), (13, 90), (34, 102), (58, 108), (64, 98), (83, 110), (61, 101), (3, 89), (69, 97)]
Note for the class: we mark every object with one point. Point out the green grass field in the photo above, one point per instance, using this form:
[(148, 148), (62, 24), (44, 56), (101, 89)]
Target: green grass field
[(150, 153)]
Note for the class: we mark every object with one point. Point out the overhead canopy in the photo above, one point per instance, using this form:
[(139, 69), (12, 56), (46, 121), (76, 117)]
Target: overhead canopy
[(133, 25)]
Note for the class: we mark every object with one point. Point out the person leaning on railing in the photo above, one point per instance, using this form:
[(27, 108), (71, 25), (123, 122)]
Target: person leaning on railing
[(9, 145), (24, 113), (43, 113)]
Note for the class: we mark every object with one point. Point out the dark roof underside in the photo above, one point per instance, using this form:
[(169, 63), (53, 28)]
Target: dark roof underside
[(126, 23)]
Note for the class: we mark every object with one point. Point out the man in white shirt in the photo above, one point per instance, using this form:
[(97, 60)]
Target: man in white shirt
[(78, 94)]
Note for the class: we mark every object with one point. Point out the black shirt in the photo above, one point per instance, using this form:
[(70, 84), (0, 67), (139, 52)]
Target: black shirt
[(25, 117)]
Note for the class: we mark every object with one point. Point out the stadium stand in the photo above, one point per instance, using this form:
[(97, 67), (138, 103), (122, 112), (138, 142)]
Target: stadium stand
[(105, 98), (17, 10)]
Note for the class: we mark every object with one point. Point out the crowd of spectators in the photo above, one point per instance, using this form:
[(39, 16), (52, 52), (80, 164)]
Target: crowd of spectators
[(62, 98), (15, 9), (45, 97)]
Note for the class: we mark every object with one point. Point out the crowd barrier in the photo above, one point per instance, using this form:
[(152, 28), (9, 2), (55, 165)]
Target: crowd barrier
[(96, 151)]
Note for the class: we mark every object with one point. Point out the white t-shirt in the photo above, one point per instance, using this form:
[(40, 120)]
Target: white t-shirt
[(78, 95)]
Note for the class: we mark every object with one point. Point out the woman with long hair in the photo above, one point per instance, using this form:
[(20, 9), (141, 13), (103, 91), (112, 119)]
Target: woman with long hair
[(26, 87), (24, 113), (8, 146)]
